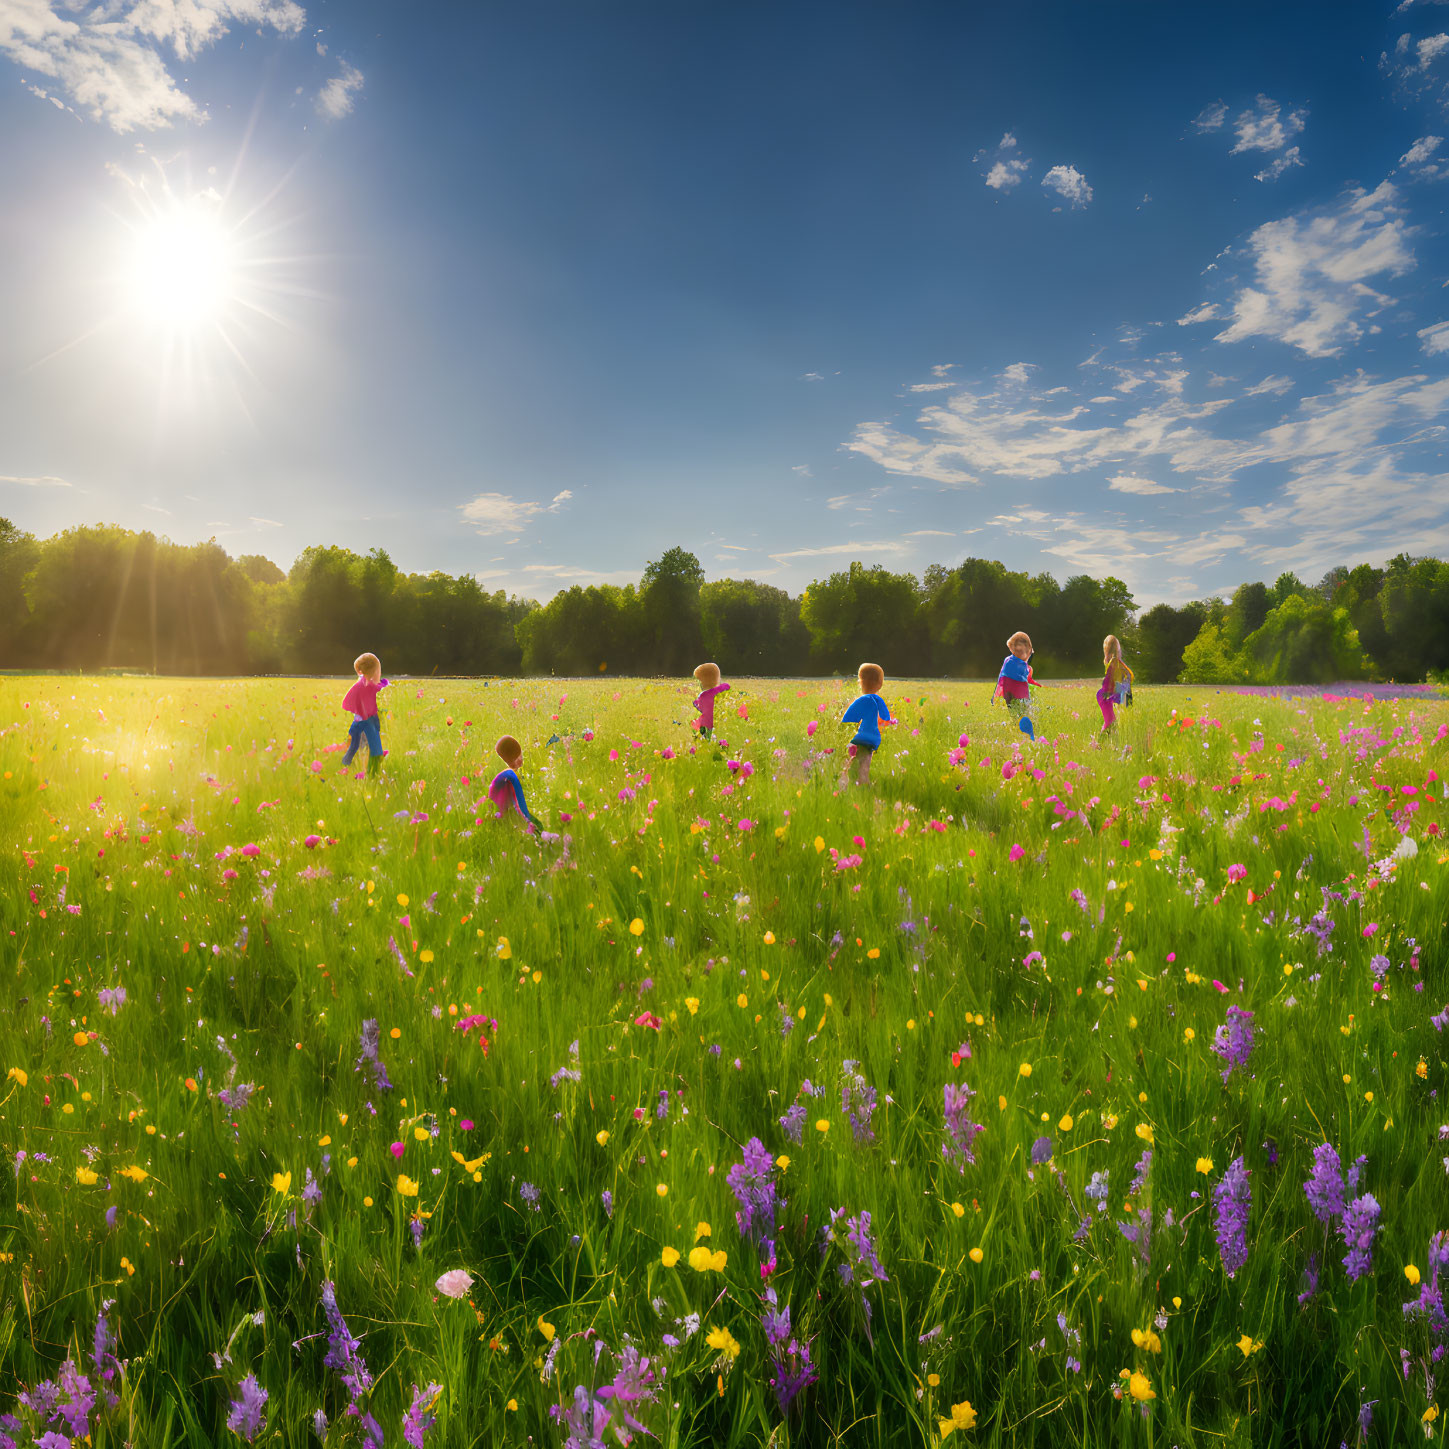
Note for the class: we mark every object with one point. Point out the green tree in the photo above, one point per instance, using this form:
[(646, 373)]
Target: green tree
[(865, 614), (1163, 634), (753, 628), (670, 612), (18, 554), (1208, 659)]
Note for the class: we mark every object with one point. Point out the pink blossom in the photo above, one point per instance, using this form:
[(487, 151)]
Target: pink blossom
[(251, 851), (588, 735), (858, 841), (1370, 929), (1016, 853), (650, 1020), (397, 1149), (668, 752), (1237, 872), (746, 826), (228, 874), (455, 1283), (811, 728), (312, 842)]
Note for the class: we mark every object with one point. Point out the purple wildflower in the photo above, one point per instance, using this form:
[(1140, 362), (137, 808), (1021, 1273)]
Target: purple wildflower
[(1310, 1279), (607, 1198), (319, 1425), (1234, 1199), (635, 1382), (793, 1122), (857, 1098), (419, 1418), (113, 998), (1041, 1151), (1139, 1180), (1324, 1188), (417, 1226), (369, 1060), (752, 1184), (79, 1400), (530, 1194), (103, 1346), (661, 1110), (790, 1360), (1360, 1223), (342, 1353), (235, 1099), (1098, 1189), (1233, 1041), (247, 1414), (960, 1130)]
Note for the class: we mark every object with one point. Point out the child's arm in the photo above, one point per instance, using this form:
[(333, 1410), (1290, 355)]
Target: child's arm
[(521, 802), (722, 687)]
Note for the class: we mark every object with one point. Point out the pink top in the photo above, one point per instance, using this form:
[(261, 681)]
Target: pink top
[(500, 791), (705, 705), (361, 699)]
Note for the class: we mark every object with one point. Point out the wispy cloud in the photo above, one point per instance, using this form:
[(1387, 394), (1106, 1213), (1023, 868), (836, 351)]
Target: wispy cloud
[(1286, 162), (1310, 272), (890, 547), (336, 99), (1266, 127), (1144, 487), (109, 62), (1005, 165), (490, 513), (43, 480), (1210, 118)]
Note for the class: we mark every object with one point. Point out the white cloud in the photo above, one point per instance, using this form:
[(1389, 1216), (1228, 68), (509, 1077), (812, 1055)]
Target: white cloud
[(812, 377), (43, 480), (803, 469), (1007, 167), (490, 513), (1126, 483), (1006, 174), (1434, 339), (1210, 118), (1428, 50), (840, 550), (1068, 183), (334, 100), (264, 522), (108, 61), (1266, 128), (1419, 159), (1310, 272), (929, 533), (1205, 313), (1290, 158)]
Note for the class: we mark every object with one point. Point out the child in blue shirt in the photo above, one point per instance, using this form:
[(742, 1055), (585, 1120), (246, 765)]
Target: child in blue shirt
[(867, 713)]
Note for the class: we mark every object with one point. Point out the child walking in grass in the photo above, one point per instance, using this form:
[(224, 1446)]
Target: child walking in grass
[(711, 687), (1016, 681), (1117, 674), (361, 701), (506, 789), (867, 712)]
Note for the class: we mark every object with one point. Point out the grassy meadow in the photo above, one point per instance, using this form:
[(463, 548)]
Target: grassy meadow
[(741, 1106)]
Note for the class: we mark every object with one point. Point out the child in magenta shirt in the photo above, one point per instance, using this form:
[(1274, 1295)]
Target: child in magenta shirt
[(361, 701), (506, 789), (710, 687)]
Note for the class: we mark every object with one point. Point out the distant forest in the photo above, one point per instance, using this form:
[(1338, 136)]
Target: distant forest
[(105, 597)]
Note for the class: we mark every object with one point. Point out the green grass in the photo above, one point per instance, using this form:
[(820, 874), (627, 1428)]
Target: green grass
[(123, 794)]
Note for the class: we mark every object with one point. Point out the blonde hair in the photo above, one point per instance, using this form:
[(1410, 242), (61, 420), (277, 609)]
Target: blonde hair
[(508, 750), (368, 665), (1019, 638), (1111, 649), (871, 677), (707, 674)]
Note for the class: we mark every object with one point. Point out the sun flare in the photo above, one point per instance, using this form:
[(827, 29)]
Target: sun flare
[(182, 269)]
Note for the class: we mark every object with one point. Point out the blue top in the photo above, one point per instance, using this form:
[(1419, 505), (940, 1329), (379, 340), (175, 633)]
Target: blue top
[(1014, 668), (508, 780), (867, 711)]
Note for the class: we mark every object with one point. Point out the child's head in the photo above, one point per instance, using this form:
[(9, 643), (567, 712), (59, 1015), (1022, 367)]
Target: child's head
[(871, 677), (708, 675), (368, 666), (1020, 644), (509, 751), (1111, 648)]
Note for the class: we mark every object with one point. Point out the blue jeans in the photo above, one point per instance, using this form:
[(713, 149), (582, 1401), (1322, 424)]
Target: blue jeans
[(372, 729)]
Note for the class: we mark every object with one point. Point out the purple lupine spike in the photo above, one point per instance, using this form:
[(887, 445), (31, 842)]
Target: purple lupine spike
[(1234, 1199), (1324, 1188), (247, 1414)]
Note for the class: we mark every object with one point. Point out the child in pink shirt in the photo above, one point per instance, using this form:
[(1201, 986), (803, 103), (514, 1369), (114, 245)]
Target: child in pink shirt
[(710, 687), (506, 789), (361, 701)]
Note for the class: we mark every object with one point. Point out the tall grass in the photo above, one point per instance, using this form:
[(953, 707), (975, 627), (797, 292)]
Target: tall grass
[(688, 954)]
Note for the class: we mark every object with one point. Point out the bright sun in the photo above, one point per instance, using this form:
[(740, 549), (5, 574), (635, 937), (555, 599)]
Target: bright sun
[(182, 271)]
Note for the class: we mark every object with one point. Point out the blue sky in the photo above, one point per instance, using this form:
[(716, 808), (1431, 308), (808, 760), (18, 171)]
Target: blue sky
[(535, 292)]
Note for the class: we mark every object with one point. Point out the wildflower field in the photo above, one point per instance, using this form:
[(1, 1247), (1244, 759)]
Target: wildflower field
[(1075, 1092)]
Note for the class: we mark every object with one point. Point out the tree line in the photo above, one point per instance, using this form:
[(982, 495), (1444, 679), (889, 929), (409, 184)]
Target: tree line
[(106, 597)]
